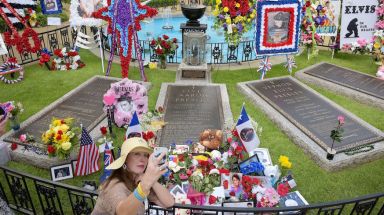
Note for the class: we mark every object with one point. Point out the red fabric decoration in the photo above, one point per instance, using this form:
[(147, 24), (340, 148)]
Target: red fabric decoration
[(13, 38)]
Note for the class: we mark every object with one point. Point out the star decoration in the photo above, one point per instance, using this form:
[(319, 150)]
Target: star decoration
[(123, 17)]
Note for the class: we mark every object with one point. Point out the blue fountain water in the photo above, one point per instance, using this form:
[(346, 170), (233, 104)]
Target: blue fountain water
[(153, 29)]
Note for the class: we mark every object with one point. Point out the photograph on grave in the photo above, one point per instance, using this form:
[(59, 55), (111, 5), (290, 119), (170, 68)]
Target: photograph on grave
[(242, 204), (327, 18), (61, 172), (126, 97), (312, 114), (348, 78), (277, 27), (189, 110), (51, 6), (81, 12), (358, 19)]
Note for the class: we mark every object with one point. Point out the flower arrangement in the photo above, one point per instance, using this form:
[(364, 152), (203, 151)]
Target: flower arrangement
[(163, 47), (61, 137), (66, 60), (13, 109), (310, 21), (361, 46), (235, 17), (284, 162), (378, 37), (45, 57)]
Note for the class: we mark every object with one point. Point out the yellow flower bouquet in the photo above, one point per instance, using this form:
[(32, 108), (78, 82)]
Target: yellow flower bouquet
[(60, 138)]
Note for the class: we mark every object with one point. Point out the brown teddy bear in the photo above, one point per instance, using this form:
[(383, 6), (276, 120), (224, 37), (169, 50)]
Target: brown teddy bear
[(211, 138)]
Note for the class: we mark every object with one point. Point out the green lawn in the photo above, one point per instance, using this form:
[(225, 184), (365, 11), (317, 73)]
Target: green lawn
[(41, 87)]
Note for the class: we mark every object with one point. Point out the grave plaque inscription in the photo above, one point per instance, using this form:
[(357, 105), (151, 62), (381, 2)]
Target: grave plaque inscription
[(85, 105), (312, 114), (348, 78), (188, 111)]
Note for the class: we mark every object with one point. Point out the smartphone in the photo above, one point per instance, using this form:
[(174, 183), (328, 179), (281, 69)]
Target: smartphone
[(158, 151)]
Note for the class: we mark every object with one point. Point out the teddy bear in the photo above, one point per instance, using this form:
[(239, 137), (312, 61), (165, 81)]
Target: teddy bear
[(211, 138)]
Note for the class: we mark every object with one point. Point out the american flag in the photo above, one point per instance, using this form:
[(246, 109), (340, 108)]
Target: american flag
[(88, 158)]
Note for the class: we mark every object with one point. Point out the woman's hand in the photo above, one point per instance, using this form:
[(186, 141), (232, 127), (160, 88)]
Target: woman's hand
[(154, 171)]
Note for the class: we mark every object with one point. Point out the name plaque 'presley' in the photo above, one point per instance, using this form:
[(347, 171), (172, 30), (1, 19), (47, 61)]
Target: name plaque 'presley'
[(188, 111), (348, 78), (84, 105), (312, 114)]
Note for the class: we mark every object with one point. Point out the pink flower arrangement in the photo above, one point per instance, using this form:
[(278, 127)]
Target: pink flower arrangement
[(269, 199)]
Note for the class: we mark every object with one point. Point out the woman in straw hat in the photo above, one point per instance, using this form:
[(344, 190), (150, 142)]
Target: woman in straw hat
[(133, 180)]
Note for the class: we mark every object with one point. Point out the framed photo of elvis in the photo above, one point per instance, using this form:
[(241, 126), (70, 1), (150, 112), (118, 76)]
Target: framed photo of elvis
[(51, 6), (277, 27)]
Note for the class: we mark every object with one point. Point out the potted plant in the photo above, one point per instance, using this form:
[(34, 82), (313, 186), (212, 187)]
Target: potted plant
[(336, 135)]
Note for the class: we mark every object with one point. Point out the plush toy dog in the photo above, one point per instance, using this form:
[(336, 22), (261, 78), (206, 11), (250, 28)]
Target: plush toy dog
[(211, 138)]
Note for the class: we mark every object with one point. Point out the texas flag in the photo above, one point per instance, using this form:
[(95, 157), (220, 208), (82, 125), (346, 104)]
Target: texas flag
[(134, 128), (246, 132)]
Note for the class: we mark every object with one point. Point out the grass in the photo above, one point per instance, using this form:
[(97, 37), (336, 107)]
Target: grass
[(42, 87)]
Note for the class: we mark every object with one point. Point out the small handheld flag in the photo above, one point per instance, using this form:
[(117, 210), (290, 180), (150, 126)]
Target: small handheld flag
[(246, 132), (134, 128), (108, 159)]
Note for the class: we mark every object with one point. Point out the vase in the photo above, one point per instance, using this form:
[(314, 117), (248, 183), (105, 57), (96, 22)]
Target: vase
[(330, 153), (15, 124), (163, 63)]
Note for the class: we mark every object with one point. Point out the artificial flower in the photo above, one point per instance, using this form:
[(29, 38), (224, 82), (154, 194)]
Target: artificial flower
[(66, 146), (14, 146), (282, 189)]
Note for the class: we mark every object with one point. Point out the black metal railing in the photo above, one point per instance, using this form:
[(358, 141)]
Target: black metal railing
[(28, 194), (217, 53)]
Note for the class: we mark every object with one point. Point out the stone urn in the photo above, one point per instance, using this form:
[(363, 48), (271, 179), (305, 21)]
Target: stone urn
[(193, 13)]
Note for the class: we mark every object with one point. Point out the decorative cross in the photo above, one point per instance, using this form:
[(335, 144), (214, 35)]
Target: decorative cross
[(123, 17)]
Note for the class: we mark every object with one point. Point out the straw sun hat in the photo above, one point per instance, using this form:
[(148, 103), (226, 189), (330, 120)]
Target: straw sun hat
[(136, 144)]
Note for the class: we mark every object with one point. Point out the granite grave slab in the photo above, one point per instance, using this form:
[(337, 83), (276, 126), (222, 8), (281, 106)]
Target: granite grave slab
[(84, 103), (189, 109), (308, 118), (356, 85)]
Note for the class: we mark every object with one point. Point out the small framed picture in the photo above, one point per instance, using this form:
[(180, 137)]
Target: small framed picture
[(51, 6), (181, 149), (245, 166), (263, 155), (244, 204), (177, 189), (74, 162), (185, 185), (61, 172), (232, 184)]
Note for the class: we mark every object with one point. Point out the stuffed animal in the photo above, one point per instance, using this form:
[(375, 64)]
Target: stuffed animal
[(211, 138)]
